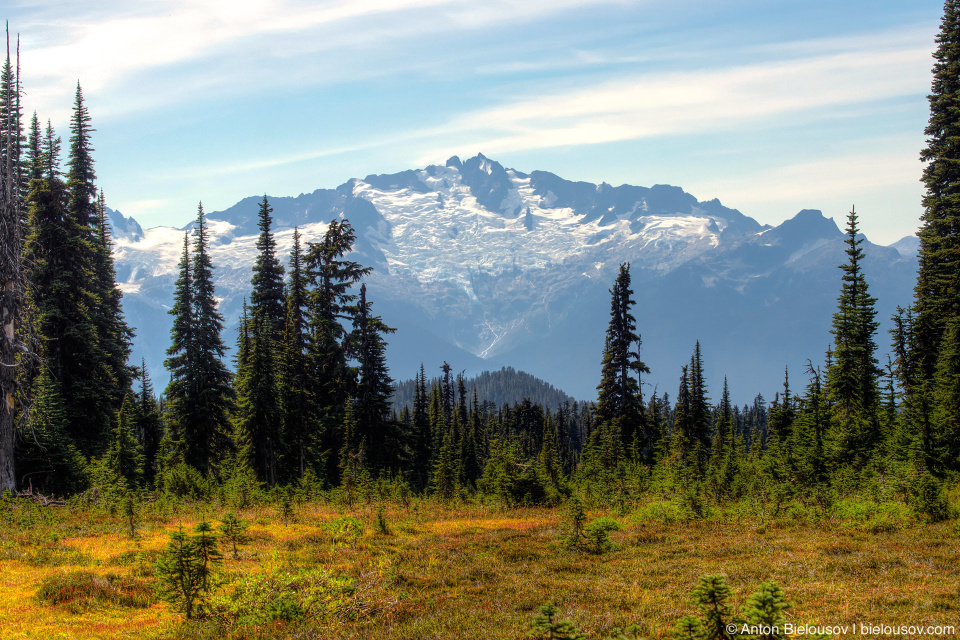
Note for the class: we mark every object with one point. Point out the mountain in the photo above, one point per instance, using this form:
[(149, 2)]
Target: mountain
[(484, 267)]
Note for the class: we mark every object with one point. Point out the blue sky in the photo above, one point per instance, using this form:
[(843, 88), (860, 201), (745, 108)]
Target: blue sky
[(770, 106)]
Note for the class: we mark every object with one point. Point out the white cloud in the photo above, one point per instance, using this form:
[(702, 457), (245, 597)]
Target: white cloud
[(103, 47), (693, 102)]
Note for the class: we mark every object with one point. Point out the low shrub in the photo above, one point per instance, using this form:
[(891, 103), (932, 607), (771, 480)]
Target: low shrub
[(258, 599), (598, 533), (83, 590)]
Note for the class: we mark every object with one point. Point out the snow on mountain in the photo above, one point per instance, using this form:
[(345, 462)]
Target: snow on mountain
[(484, 266)]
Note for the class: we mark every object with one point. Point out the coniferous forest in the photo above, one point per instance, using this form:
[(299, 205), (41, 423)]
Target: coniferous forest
[(322, 497)]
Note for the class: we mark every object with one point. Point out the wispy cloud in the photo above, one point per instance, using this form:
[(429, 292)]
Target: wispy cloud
[(851, 175), (102, 49), (693, 102)]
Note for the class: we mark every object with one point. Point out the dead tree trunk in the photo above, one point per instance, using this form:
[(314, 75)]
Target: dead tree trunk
[(11, 274)]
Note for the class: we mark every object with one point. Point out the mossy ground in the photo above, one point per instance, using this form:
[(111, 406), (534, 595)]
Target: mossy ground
[(473, 571)]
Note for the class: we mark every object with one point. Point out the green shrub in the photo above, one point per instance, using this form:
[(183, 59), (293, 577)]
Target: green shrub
[(598, 533), (344, 529), (664, 511), (546, 626), (283, 596), (183, 481), (928, 499)]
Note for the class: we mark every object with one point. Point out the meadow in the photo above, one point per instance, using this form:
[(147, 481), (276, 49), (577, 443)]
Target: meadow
[(419, 568)]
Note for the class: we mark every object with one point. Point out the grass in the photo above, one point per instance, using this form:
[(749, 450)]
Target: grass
[(436, 571)]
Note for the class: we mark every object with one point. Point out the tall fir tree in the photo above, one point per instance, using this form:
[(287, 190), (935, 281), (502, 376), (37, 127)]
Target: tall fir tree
[(114, 333), (148, 425), (330, 277), (297, 409), (267, 297), (421, 436), (257, 397), (854, 372), (180, 358), (374, 387), (938, 278), (199, 396), (620, 400), (258, 391), (213, 391)]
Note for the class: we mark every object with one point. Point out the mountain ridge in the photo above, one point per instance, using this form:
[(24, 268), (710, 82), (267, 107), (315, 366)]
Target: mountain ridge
[(485, 266)]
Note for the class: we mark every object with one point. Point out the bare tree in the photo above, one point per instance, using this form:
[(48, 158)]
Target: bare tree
[(11, 272)]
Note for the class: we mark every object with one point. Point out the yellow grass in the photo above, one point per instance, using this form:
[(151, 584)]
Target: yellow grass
[(476, 572)]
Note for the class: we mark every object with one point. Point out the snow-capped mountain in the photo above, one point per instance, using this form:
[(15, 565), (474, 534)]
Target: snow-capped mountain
[(484, 266)]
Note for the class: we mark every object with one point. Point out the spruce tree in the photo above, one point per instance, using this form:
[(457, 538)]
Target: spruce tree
[(46, 457), (330, 278), (946, 397), (58, 251), (813, 426), (421, 438), (296, 402), (181, 357), (33, 154), (267, 297), (199, 396), (125, 456), (148, 425), (938, 277), (214, 394), (375, 386), (854, 372), (620, 400), (699, 416), (258, 402), (114, 333)]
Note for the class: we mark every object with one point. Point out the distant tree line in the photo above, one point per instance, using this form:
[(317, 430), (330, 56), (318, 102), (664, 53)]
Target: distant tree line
[(506, 386)]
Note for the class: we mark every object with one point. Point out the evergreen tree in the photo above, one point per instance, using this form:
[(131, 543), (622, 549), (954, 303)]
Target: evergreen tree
[(620, 399), (946, 397), (46, 457), (267, 297), (59, 253), (50, 148), (421, 437), (33, 154), (938, 278), (374, 386), (854, 372), (125, 456), (148, 425), (813, 425), (258, 402), (330, 278), (200, 395), (181, 358), (296, 407), (214, 394), (698, 418), (115, 335)]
